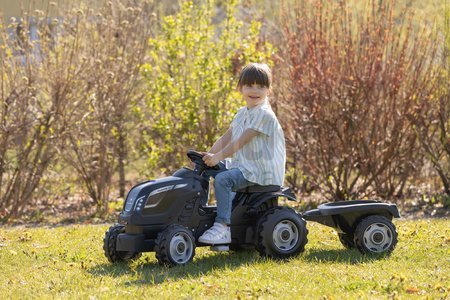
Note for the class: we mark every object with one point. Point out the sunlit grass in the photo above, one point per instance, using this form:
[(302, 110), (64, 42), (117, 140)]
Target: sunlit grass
[(68, 262)]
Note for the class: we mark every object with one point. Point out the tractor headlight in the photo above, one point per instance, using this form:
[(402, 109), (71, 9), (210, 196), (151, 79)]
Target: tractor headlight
[(131, 198), (140, 203)]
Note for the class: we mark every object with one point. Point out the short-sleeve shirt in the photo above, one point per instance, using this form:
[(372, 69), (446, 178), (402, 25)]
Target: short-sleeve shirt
[(262, 160)]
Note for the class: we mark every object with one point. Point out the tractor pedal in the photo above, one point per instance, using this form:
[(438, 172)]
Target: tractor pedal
[(220, 248)]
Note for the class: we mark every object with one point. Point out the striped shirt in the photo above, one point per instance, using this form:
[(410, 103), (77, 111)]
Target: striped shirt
[(262, 160)]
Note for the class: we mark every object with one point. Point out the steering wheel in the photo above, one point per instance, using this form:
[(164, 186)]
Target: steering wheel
[(197, 158)]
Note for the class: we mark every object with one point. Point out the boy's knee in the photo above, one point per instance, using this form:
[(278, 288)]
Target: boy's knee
[(223, 179)]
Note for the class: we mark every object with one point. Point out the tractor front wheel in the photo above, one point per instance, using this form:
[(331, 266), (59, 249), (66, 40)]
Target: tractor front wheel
[(175, 246), (109, 246)]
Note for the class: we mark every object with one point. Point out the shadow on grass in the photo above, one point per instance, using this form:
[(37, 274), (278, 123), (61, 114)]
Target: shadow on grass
[(149, 272), (344, 256)]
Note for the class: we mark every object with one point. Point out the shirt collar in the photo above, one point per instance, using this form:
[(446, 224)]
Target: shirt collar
[(257, 107)]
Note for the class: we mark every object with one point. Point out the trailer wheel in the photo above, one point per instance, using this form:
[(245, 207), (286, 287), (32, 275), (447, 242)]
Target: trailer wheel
[(346, 240), (175, 246), (375, 234), (281, 233), (109, 246)]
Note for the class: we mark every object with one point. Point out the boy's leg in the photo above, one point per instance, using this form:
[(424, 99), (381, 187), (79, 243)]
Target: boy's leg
[(224, 185), (213, 173)]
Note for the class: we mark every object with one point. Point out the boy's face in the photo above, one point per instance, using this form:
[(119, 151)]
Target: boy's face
[(254, 94)]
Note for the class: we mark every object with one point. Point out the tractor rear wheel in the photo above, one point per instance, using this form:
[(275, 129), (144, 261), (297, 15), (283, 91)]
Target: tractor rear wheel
[(281, 233)]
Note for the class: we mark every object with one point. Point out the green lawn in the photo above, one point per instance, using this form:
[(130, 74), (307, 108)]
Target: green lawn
[(68, 262)]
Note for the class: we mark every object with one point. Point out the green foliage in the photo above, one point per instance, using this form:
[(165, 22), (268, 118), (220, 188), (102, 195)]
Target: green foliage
[(191, 78), (67, 262)]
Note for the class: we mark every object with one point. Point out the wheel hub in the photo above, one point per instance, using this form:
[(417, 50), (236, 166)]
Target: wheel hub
[(181, 247), (285, 235), (378, 237)]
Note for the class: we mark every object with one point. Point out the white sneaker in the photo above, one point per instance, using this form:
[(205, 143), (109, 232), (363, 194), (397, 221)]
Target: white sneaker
[(217, 234)]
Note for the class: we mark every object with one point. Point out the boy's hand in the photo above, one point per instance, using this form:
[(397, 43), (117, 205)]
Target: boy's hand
[(210, 160)]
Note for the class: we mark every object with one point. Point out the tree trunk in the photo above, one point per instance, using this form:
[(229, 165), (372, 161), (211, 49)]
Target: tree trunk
[(122, 156)]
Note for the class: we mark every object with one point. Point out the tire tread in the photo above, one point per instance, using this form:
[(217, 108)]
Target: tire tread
[(265, 250)]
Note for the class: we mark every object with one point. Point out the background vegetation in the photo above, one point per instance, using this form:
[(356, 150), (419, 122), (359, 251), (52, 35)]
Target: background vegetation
[(96, 99)]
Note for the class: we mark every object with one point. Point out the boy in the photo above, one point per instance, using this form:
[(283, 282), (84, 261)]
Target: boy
[(255, 141)]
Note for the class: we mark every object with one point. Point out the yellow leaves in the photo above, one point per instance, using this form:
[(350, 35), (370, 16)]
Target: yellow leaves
[(39, 246), (42, 129), (413, 290), (116, 206), (440, 287), (25, 236), (2, 238), (398, 277), (9, 53)]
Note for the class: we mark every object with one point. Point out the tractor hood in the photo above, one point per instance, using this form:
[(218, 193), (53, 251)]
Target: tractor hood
[(138, 195)]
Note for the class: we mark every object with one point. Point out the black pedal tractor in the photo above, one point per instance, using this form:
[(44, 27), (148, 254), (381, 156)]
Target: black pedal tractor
[(169, 214)]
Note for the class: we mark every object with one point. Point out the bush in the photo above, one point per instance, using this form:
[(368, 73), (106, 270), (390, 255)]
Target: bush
[(431, 115), (354, 81), (37, 78), (69, 90), (191, 79), (113, 43)]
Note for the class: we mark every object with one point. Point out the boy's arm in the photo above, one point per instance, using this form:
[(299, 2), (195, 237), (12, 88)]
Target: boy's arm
[(231, 148), (222, 142)]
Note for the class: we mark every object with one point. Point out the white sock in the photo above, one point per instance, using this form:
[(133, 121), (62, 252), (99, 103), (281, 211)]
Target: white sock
[(220, 225)]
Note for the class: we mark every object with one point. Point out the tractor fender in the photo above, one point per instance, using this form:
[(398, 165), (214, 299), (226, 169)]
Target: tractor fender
[(284, 192)]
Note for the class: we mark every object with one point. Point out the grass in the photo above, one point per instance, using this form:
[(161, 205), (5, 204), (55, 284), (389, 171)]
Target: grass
[(68, 262)]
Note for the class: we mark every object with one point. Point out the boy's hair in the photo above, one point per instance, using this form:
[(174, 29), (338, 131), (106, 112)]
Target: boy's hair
[(255, 73)]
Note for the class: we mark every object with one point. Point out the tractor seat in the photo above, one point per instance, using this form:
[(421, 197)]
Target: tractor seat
[(260, 189)]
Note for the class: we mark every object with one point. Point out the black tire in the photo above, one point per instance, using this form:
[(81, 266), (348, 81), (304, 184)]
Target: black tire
[(281, 233), (109, 246), (347, 240), (175, 246), (236, 247), (375, 234)]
